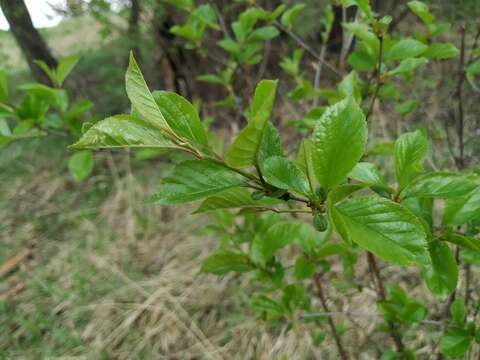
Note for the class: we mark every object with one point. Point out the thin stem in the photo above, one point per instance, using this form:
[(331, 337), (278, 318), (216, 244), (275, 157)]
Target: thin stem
[(318, 284), (378, 78), (318, 74), (459, 95), (381, 294)]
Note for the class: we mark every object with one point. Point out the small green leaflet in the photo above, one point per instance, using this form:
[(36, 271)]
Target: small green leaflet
[(284, 174), (141, 97), (81, 165), (123, 131), (244, 150), (442, 275), (438, 185), (383, 227), (459, 211), (223, 262), (181, 116), (234, 198), (410, 151), (195, 179), (339, 142)]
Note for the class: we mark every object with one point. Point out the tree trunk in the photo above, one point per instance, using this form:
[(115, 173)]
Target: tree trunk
[(28, 38)]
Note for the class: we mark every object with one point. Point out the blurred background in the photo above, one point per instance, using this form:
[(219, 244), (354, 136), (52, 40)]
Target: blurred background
[(87, 269)]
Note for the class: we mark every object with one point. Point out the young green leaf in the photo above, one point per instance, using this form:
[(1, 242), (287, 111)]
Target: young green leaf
[(305, 161), (195, 179), (289, 16), (304, 269), (421, 10), (181, 116), (270, 145), (65, 67), (438, 185), (361, 61), (279, 236), (123, 131), (339, 142), (81, 165), (141, 97), (367, 173), (404, 49), (441, 51), (442, 275), (466, 242), (284, 174), (408, 65), (455, 342), (244, 150), (223, 262), (458, 311), (383, 227), (463, 209), (410, 151)]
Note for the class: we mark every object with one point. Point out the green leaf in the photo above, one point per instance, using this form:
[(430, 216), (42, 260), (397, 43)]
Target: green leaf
[(458, 311), (361, 61), (234, 198), (350, 87), (123, 131), (223, 262), (281, 235), (410, 151), (289, 16), (263, 303), (442, 275), (339, 142), (270, 145), (3, 86), (441, 51), (455, 342), (244, 150), (406, 107), (304, 269), (438, 185), (263, 33), (142, 99), (284, 174), (195, 179), (459, 211), (408, 65), (404, 49), (421, 10), (367, 173), (81, 165), (65, 67), (463, 241), (473, 68), (383, 227), (305, 161), (181, 116), (368, 38)]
